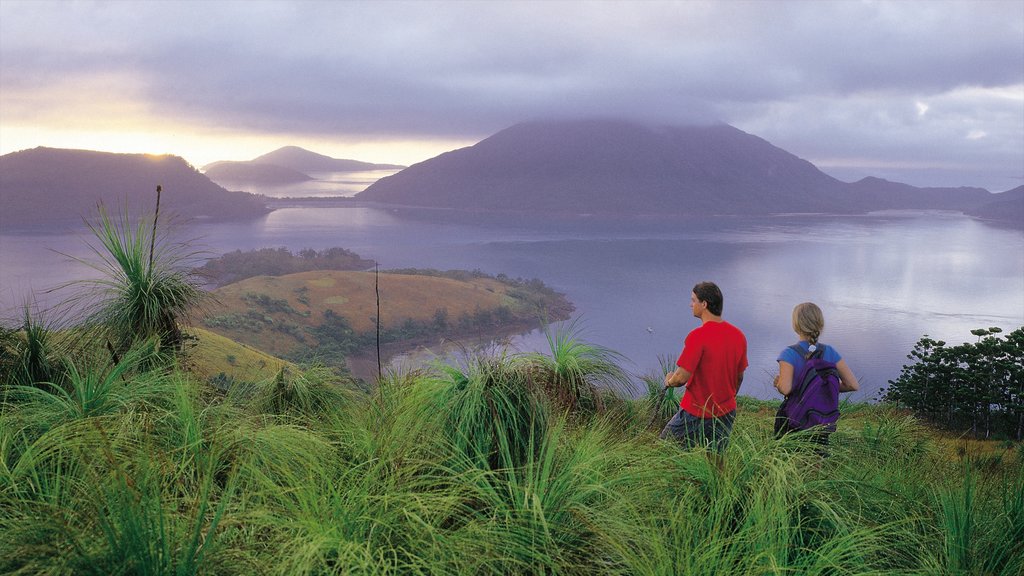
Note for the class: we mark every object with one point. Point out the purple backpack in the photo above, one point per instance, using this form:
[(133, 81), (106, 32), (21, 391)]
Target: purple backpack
[(814, 400)]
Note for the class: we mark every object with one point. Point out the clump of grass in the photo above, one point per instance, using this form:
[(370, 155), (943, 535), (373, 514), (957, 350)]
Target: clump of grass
[(33, 354), (146, 284), (488, 407), (310, 392), (575, 372)]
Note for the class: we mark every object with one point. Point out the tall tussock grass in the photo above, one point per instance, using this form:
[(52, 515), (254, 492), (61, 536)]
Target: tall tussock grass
[(478, 466), (145, 286)]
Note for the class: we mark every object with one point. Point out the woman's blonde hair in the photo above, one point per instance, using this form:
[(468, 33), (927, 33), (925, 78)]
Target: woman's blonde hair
[(808, 321)]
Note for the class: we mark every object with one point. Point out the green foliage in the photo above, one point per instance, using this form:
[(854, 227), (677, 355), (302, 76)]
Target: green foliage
[(336, 339), (981, 536), (464, 469), (311, 393), (662, 403), (575, 371), (268, 304), (532, 299), (32, 355), (489, 410), (238, 265), (145, 287), (976, 386), (251, 321)]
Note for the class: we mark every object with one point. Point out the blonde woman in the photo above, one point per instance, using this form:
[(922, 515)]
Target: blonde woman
[(809, 323)]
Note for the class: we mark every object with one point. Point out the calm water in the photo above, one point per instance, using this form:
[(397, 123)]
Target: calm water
[(882, 280), (323, 184)]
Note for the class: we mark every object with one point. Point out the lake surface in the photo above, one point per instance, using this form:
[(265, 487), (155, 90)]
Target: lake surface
[(883, 280), (322, 185)]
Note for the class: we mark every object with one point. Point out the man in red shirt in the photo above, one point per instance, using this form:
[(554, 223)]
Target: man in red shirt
[(711, 367)]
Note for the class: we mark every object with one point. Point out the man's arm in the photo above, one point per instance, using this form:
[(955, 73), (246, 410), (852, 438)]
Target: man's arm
[(679, 377)]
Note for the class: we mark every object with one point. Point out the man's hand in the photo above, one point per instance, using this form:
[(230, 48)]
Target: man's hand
[(677, 378)]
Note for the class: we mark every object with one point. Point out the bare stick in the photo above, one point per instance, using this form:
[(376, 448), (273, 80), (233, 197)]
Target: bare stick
[(376, 288), (152, 239)]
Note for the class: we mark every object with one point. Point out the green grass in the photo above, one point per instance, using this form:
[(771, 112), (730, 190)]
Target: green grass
[(474, 467), (145, 285)]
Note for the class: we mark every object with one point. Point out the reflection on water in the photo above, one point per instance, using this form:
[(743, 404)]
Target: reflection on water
[(323, 184), (882, 281)]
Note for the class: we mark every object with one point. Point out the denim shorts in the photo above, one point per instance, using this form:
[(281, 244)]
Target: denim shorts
[(693, 432)]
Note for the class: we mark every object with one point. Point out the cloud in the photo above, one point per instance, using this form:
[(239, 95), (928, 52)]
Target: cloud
[(842, 79)]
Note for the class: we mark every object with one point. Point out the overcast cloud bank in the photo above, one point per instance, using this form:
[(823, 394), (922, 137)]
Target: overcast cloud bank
[(928, 93)]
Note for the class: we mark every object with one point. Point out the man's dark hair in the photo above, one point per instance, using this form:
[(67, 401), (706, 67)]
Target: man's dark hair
[(710, 293)]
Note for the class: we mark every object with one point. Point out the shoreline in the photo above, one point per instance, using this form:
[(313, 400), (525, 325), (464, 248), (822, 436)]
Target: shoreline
[(364, 364)]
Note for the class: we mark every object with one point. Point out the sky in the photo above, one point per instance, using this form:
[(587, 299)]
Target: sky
[(930, 93)]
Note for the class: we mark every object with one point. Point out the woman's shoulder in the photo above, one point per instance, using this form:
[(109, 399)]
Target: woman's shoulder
[(793, 353), (830, 353)]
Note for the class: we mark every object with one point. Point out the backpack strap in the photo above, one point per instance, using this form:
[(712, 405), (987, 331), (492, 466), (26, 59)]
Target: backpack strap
[(818, 352)]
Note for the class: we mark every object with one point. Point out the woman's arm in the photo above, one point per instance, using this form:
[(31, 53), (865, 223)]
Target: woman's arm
[(847, 381), (784, 381)]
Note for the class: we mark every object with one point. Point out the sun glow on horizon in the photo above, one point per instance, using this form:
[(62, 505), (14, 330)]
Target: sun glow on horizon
[(202, 149)]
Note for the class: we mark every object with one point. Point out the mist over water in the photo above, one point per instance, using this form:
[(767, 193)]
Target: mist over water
[(883, 280)]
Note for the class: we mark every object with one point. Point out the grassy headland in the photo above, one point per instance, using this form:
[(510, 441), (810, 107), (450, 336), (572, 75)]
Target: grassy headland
[(329, 316)]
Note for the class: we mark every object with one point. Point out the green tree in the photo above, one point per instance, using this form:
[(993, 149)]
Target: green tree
[(974, 386)]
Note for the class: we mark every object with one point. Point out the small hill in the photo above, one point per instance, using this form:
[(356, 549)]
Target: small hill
[(1005, 207), (287, 165), (879, 194), (620, 168), (247, 172), (291, 160), (305, 161), (48, 185), (218, 360), (328, 315)]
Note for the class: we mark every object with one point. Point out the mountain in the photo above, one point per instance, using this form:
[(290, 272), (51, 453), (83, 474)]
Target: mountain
[(49, 185), (620, 167), (287, 165), (247, 172), (302, 160), (305, 161), (1006, 207)]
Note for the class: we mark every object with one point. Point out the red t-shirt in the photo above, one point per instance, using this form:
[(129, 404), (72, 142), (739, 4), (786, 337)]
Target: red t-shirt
[(715, 354)]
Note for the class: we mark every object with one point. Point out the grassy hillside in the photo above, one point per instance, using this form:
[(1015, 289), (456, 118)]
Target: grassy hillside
[(327, 313), (476, 468), (211, 357)]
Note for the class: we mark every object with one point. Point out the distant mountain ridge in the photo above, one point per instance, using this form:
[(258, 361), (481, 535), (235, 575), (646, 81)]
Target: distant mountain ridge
[(624, 168), (289, 164), (230, 172), (48, 185)]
